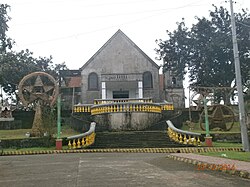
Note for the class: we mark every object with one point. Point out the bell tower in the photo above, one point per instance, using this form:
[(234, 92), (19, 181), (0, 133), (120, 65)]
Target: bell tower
[(174, 90)]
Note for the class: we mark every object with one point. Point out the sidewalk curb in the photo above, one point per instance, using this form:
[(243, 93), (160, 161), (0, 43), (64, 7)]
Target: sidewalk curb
[(240, 173), (124, 150)]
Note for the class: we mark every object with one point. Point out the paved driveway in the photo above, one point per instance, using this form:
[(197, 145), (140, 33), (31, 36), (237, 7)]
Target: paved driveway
[(107, 169)]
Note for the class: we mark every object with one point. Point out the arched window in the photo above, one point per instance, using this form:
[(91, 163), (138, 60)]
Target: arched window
[(93, 81), (147, 80)]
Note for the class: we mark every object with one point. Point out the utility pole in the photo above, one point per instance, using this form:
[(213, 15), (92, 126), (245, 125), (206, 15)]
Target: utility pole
[(242, 115)]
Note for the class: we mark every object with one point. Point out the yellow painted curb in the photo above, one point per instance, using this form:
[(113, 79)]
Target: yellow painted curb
[(124, 150)]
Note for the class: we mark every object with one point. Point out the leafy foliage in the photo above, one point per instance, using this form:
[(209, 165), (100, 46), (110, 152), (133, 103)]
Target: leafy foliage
[(15, 65), (206, 50), (5, 42), (174, 52), (49, 120)]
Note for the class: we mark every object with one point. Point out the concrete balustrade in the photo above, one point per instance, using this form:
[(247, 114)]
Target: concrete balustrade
[(102, 106), (85, 108), (125, 107), (183, 137), (82, 140), (129, 100), (167, 106)]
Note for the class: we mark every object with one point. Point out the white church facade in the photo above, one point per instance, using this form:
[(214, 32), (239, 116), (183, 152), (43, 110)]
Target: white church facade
[(121, 70)]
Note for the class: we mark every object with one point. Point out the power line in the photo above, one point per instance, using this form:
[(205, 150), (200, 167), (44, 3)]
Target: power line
[(243, 24), (115, 15), (114, 26), (86, 5), (101, 16)]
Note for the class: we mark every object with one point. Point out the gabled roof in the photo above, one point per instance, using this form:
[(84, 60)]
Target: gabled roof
[(75, 82), (130, 41), (71, 82)]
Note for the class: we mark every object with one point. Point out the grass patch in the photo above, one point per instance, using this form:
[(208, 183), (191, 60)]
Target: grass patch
[(20, 133), (67, 131), (242, 156), (196, 128), (34, 148), (13, 134), (226, 144)]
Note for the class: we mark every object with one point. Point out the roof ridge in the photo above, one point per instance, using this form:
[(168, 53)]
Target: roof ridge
[(119, 31)]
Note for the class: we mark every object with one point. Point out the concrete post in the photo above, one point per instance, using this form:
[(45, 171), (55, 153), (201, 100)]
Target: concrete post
[(103, 90), (140, 88)]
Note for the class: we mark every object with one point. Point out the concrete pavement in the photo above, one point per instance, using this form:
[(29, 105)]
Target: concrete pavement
[(108, 169)]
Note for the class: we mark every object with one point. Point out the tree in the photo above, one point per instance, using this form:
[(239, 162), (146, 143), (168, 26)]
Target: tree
[(5, 42), (206, 50), (15, 65), (174, 52)]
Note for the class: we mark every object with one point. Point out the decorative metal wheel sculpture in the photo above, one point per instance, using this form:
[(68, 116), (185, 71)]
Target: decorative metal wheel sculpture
[(219, 116), (39, 89), (38, 86), (197, 98)]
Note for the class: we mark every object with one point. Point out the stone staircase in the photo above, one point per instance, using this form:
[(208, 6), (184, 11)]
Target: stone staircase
[(133, 139)]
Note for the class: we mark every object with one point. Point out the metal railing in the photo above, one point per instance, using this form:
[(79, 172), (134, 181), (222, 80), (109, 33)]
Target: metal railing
[(183, 137), (82, 140)]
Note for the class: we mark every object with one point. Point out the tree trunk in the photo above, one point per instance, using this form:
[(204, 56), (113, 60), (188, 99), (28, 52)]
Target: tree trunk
[(226, 98)]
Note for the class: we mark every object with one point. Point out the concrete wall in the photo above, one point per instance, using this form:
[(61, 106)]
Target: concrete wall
[(174, 91), (127, 121), (177, 96)]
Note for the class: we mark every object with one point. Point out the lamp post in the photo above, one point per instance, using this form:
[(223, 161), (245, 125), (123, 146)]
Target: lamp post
[(208, 138), (59, 117), (58, 139), (242, 117)]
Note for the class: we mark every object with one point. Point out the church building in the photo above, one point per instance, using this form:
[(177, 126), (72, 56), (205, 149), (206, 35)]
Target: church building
[(121, 70)]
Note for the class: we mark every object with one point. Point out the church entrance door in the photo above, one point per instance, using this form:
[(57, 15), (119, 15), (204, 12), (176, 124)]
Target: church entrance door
[(120, 94)]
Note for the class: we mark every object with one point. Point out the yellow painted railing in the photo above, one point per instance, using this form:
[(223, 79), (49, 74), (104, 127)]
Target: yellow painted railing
[(126, 107), (131, 100), (82, 108), (83, 140), (183, 137), (167, 106), (122, 105)]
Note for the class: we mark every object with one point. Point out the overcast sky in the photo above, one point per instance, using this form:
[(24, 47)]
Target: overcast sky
[(73, 30)]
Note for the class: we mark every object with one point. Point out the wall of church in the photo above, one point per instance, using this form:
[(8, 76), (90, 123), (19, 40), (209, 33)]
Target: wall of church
[(118, 56)]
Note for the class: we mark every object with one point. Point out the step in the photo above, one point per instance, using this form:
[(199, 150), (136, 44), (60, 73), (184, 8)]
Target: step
[(133, 139)]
